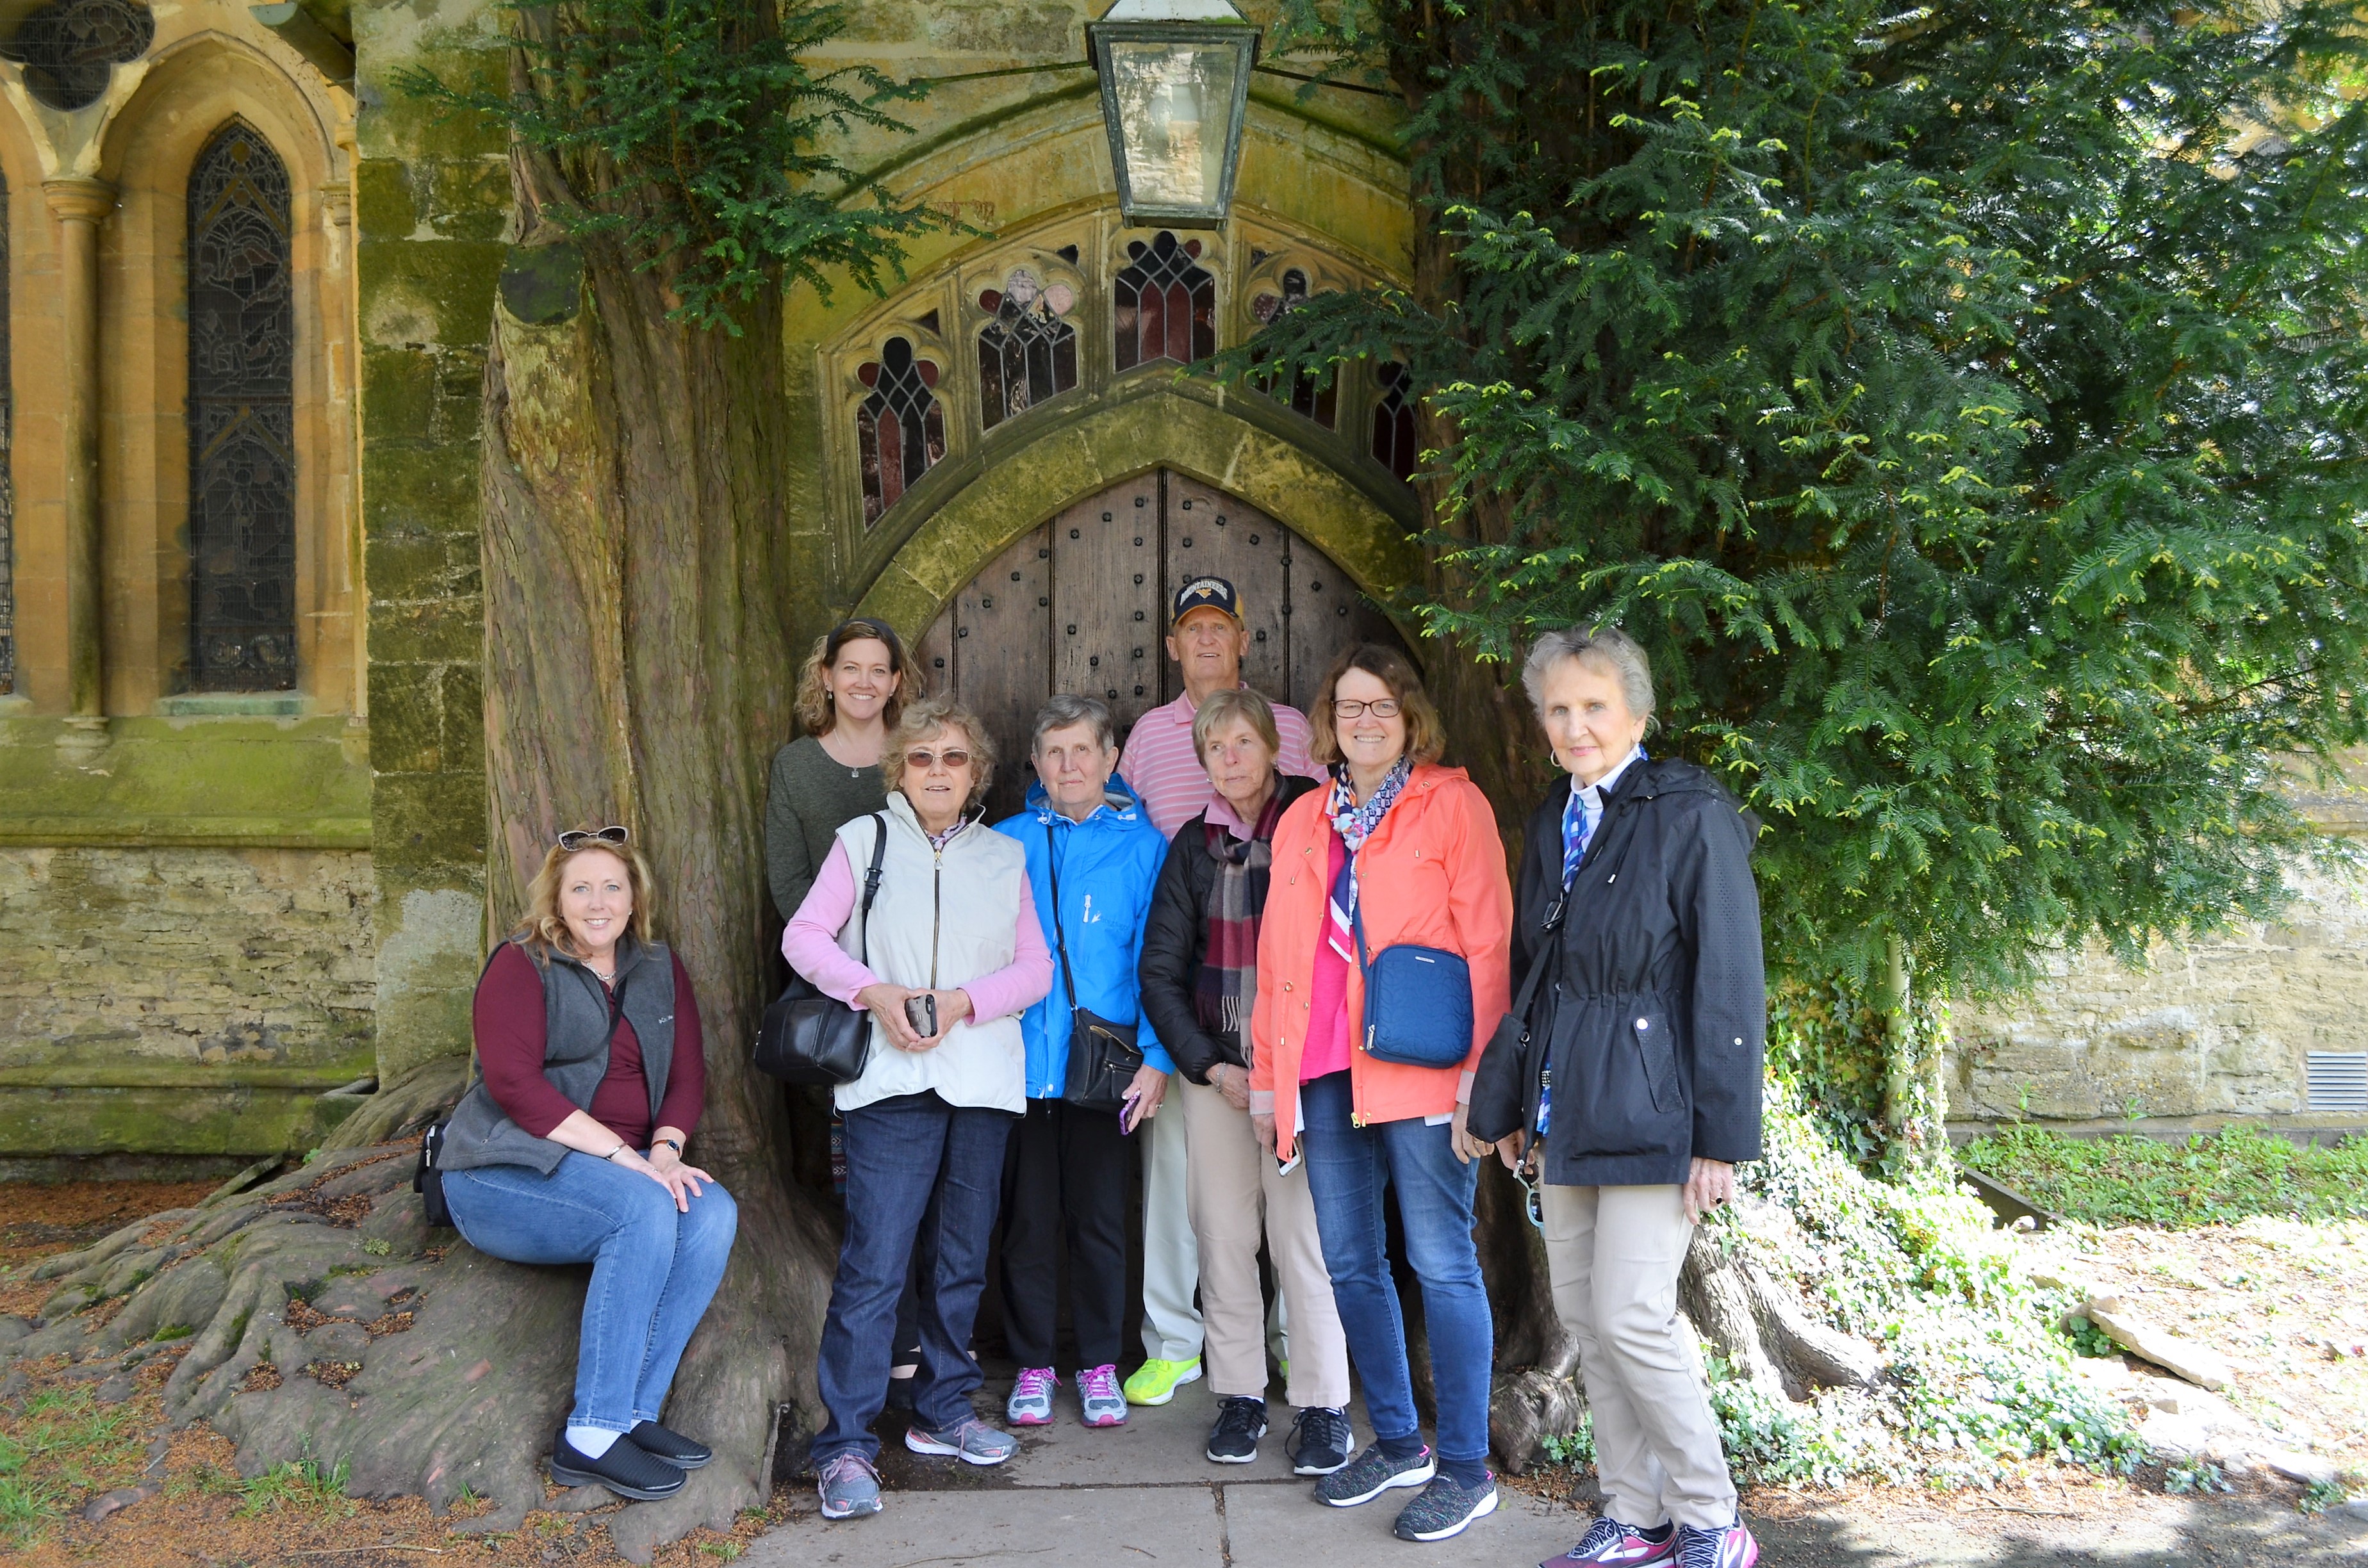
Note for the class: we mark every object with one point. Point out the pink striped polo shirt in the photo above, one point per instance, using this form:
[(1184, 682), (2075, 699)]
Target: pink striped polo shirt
[(1165, 771)]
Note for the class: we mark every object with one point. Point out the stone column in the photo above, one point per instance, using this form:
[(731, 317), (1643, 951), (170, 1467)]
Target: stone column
[(80, 206)]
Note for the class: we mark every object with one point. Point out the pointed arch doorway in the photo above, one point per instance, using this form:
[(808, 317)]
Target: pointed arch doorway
[(1079, 604)]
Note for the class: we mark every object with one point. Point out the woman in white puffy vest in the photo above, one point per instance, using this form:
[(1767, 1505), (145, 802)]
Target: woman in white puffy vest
[(953, 955)]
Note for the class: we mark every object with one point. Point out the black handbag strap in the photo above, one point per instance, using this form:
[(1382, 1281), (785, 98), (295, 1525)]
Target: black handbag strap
[(1052, 864), (1551, 931), (871, 883)]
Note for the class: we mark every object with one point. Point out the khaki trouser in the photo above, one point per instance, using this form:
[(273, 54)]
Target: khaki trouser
[(1613, 1254), (1236, 1198)]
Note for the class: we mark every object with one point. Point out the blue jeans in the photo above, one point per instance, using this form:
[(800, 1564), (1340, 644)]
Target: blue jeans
[(1348, 1167), (923, 1174), (653, 1269)]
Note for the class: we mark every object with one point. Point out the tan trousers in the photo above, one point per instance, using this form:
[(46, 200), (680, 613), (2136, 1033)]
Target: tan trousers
[(1235, 1198), (1613, 1254)]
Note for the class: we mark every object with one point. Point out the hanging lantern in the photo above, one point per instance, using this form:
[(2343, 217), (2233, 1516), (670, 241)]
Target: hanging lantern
[(1176, 82)]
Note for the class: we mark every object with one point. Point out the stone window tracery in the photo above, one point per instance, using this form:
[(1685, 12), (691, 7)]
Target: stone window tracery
[(1166, 303), (7, 482), (1028, 352), (900, 429), (1305, 396), (1393, 437), (69, 49), (241, 418)]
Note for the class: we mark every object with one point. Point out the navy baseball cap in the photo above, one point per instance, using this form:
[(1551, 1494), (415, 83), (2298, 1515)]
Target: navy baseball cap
[(1205, 593)]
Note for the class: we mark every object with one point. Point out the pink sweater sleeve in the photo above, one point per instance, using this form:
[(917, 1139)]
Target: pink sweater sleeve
[(811, 942), (1026, 980)]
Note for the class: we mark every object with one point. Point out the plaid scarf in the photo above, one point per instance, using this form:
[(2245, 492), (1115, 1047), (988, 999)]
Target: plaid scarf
[(1355, 823), (1226, 987)]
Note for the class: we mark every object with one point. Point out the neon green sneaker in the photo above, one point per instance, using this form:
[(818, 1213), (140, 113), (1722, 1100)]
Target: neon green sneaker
[(1156, 1383)]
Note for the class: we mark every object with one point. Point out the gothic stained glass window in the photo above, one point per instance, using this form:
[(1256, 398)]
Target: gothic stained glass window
[(1166, 303), (1305, 397), (7, 481), (70, 48), (1028, 353), (900, 430), (242, 456), (1393, 445)]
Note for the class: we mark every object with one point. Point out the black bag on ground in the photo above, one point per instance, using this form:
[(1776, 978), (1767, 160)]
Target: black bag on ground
[(1103, 1057), (428, 1179), (808, 1038)]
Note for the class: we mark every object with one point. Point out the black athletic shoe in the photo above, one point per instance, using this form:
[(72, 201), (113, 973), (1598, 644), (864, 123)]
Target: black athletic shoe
[(678, 1450), (1320, 1442), (1444, 1507), (1241, 1422), (1372, 1473), (626, 1470)]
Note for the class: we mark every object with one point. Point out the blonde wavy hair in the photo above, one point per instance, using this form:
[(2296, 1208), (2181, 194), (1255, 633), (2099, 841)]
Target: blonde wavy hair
[(816, 715), (545, 930), (931, 716)]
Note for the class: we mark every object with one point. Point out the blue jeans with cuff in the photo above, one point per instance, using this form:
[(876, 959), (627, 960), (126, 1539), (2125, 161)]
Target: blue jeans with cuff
[(923, 1176), (654, 1267), (1348, 1168)]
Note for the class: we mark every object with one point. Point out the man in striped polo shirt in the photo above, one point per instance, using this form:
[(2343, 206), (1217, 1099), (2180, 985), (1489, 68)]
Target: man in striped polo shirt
[(1206, 637)]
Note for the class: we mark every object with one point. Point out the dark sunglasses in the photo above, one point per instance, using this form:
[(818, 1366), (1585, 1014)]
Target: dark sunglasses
[(576, 838)]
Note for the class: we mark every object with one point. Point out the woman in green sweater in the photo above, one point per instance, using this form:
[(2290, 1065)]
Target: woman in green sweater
[(853, 686)]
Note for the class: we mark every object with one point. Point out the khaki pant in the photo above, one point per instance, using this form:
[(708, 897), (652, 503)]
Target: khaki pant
[(1613, 1254), (1236, 1198)]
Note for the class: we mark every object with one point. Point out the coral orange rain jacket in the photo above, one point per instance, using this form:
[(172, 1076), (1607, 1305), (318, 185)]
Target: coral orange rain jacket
[(1433, 875)]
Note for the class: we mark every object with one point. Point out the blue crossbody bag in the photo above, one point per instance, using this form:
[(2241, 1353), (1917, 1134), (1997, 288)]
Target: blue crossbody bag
[(1418, 1003)]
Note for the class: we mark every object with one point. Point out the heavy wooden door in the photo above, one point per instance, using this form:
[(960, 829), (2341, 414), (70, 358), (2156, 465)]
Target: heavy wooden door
[(1080, 605)]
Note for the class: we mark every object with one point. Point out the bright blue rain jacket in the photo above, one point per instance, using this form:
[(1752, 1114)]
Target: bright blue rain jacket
[(1109, 865)]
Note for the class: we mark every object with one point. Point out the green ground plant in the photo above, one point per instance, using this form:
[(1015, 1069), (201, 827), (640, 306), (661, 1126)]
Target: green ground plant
[(59, 1447), (302, 1485), (2214, 1179)]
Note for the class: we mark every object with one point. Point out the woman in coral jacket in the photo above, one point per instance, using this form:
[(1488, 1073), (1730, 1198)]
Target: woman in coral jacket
[(1408, 850)]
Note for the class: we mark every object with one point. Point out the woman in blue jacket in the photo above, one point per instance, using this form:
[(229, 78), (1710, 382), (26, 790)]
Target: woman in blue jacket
[(1096, 857)]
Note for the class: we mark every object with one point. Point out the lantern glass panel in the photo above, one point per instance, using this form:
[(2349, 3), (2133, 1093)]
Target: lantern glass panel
[(1173, 102)]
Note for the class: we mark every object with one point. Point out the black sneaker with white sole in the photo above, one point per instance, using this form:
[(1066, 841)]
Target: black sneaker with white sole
[(662, 1442), (626, 1470), (1320, 1441), (1241, 1422), (1372, 1473), (1444, 1507)]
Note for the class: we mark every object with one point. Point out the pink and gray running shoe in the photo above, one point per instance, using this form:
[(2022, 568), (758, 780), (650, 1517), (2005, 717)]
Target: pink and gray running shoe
[(1730, 1547), (1609, 1542), (1031, 1398), (1100, 1400)]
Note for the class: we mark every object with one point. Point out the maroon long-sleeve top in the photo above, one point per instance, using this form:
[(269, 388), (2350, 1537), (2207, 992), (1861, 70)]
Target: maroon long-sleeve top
[(509, 1021)]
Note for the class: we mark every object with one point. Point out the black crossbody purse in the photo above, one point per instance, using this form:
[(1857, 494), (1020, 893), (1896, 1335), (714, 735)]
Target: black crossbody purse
[(1103, 1057), (808, 1038)]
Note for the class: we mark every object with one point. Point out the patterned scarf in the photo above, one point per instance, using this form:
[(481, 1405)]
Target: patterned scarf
[(1355, 823), (1226, 987)]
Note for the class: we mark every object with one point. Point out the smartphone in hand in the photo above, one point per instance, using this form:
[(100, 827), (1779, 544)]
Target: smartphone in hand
[(921, 1012)]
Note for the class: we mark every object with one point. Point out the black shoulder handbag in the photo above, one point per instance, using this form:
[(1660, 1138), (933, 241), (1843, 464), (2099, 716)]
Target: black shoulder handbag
[(1500, 1087), (1103, 1057), (808, 1038)]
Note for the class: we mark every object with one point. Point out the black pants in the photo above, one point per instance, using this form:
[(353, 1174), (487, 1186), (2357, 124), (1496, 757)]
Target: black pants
[(1065, 1182)]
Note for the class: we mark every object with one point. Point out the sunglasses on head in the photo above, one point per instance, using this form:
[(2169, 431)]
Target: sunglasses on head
[(576, 838)]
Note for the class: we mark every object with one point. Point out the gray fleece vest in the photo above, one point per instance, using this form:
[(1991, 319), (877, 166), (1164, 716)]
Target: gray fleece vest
[(577, 1025)]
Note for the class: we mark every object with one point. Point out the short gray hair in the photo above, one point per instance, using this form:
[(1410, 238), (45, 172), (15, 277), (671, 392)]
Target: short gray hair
[(1064, 709), (1607, 649)]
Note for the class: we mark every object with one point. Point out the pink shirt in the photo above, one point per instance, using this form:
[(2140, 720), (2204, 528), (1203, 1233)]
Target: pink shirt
[(1165, 769), (811, 944), (1328, 998)]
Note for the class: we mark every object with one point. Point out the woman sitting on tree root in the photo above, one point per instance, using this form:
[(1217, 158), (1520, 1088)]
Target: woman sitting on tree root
[(568, 1149), (1634, 1082), (952, 956)]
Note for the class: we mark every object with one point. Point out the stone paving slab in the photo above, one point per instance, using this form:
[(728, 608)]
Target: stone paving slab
[(1169, 1527), (1276, 1527)]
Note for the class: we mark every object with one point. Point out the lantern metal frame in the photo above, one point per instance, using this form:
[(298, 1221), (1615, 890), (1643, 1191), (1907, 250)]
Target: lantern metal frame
[(1196, 23)]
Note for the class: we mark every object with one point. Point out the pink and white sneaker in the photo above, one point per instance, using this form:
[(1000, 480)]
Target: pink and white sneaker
[(1100, 1400), (1730, 1547), (1031, 1398), (1609, 1542)]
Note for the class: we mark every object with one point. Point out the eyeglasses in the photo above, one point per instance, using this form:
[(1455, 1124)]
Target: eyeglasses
[(925, 760), (1350, 708), (1536, 1201), (576, 838)]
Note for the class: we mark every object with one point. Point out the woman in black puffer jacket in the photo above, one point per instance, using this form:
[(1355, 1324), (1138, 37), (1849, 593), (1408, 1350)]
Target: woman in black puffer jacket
[(1199, 974), (1634, 1089)]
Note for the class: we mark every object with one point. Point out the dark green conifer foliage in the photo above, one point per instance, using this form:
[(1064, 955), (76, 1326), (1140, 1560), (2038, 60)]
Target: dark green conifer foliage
[(1965, 403)]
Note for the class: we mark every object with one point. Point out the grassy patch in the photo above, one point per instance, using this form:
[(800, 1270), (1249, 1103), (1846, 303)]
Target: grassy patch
[(302, 1484), (2228, 1175), (59, 1447)]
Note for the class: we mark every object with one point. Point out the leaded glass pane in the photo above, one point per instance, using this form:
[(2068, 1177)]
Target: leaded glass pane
[(1028, 353), (70, 48), (1308, 394), (1393, 445), (1165, 304), (900, 430), (242, 448)]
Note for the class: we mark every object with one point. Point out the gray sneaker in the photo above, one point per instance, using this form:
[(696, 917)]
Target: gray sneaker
[(1372, 1473), (850, 1486), (973, 1441), (1444, 1507)]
